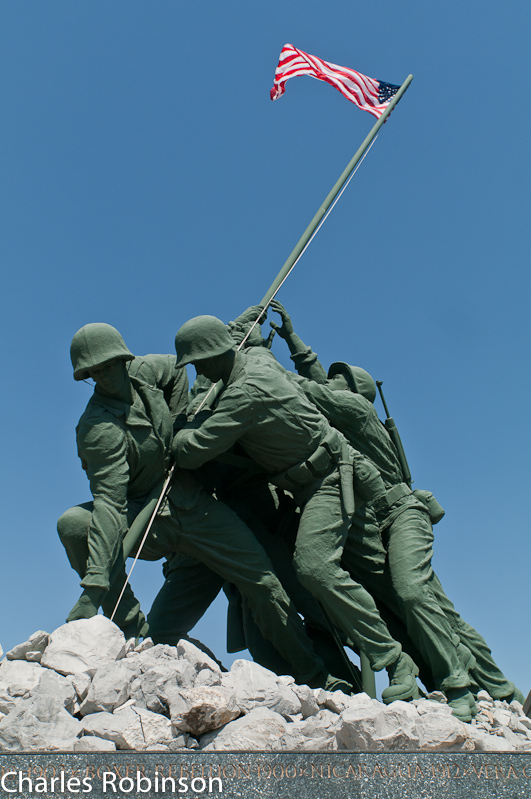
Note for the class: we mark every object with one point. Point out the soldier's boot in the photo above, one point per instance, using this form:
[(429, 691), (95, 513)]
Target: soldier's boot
[(335, 684), (516, 694), (402, 682), (86, 606), (331, 683), (136, 627), (511, 691), (462, 703)]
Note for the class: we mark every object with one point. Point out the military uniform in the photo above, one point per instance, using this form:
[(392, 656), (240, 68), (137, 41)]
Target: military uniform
[(283, 432), (126, 447), (436, 629)]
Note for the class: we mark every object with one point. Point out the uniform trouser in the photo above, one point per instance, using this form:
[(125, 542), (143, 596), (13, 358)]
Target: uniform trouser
[(73, 528), (485, 674), (399, 573), (321, 537), (266, 655), (214, 535), (189, 589)]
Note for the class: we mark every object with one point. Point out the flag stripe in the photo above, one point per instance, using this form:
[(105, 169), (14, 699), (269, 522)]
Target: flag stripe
[(365, 92)]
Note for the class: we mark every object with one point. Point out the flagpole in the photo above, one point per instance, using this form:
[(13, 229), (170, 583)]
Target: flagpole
[(334, 192)]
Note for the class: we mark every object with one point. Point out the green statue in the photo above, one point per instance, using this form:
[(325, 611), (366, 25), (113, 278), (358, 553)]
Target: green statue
[(124, 441), (283, 432), (190, 587), (446, 643)]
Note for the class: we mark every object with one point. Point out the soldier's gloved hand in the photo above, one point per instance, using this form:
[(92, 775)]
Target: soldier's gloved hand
[(246, 319), (196, 421), (244, 323), (86, 606), (286, 329)]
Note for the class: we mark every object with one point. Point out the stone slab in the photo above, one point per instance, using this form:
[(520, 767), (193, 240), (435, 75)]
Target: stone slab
[(256, 775)]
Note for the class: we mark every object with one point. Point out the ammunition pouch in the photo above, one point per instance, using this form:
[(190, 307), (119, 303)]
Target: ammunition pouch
[(319, 464), (383, 504), (389, 502), (332, 453), (435, 511)]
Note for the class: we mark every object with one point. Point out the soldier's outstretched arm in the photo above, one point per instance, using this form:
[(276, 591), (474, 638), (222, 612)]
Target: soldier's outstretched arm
[(305, 359)]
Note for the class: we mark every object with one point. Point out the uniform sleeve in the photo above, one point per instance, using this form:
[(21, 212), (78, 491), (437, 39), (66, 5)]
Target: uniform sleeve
[(341, 408), (196, 444), (103, 447), (306, 361), (160, 371)]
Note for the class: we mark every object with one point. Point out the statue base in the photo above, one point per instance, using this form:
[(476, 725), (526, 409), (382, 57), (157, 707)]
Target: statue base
[(283, 775)]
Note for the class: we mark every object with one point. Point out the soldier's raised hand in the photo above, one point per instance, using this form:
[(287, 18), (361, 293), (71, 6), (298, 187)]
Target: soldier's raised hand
[(286, 329), (248, 317)]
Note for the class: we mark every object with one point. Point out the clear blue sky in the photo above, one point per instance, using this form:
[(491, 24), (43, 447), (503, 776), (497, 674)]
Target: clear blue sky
[(147, 178)]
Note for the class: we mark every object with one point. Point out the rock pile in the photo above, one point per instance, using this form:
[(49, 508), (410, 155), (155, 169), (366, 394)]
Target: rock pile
[(84, 688)]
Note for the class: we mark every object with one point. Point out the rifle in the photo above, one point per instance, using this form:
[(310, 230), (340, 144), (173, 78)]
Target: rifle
[(394, 435), (435, 510)]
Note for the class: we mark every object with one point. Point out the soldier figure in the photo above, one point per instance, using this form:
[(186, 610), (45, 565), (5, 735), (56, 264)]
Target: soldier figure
[(446, 643), (283, 432), (124, 441)]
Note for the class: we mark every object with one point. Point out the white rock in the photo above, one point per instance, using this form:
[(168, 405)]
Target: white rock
[(255, 686), (286, 679), (34, 657), (110, 687), (81, 683), (207, 677), (484, 696), (130, 728), (130, 646), (147, 643), (58, 687), (321, 695), (260, 729), (36, 643), (487, 743), (83, 646), (39, 724), (91, 743), (204, 709), (160, 677), (17, 678), (198, 659), (434, 696), (306, 696), (337, 701), (502, 717), (316, 733), (439, 732), (389, 728), (511, 737), (432, 706)]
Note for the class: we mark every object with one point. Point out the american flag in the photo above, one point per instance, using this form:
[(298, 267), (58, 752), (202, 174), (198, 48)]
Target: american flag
[(368, 94)]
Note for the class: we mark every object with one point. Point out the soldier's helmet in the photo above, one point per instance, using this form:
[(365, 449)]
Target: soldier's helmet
[(94, 345), (202, 337), (357, 378)]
